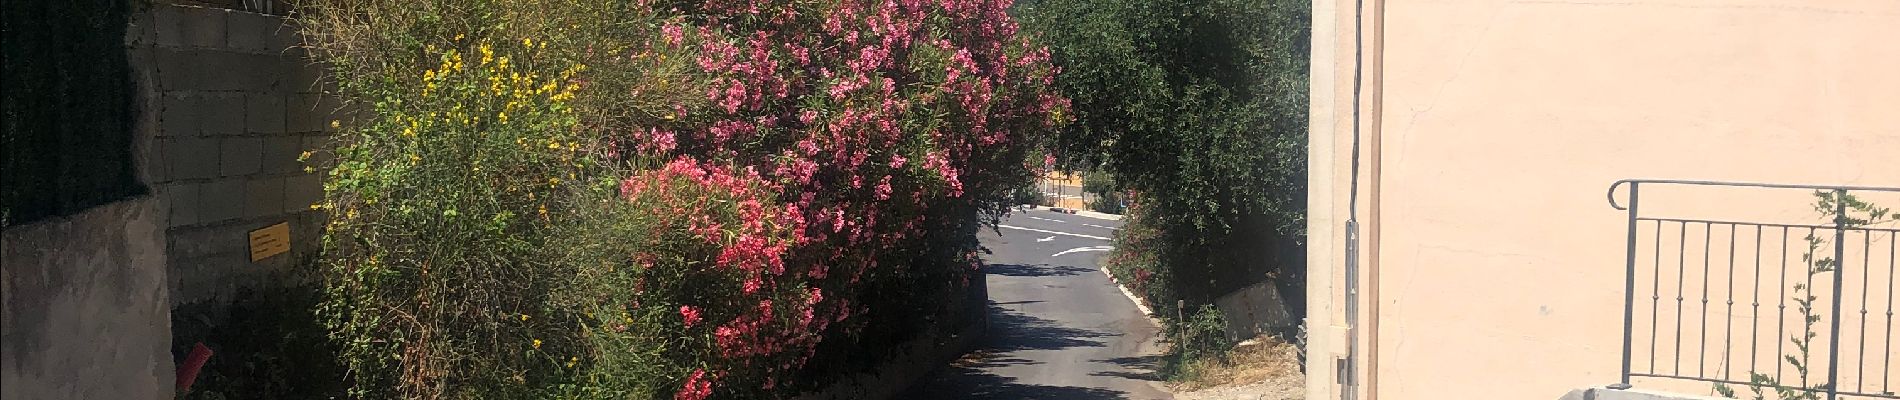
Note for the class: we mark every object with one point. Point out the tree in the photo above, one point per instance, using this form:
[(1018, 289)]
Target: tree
[(1199, 108)]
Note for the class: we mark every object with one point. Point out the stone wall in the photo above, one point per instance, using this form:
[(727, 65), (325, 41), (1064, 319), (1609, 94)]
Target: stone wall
[(236, 103), (227, 104), (86, 314), (1255, 310)]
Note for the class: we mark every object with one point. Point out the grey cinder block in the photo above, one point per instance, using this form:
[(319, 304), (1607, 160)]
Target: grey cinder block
[(264, 197), (222, 199), (263, 113), (240, 156), (184, 203), (191, 157)]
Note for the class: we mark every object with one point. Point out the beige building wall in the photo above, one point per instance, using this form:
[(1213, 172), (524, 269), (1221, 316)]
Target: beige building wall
[(1490, 130)]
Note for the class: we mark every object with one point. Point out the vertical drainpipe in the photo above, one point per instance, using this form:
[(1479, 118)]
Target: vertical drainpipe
[(1347, 371)]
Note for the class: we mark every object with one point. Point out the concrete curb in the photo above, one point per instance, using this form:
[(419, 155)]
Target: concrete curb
[(1145, 311)]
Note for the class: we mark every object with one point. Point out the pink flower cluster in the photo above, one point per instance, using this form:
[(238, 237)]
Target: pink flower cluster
[(837, 138), (697, 387)]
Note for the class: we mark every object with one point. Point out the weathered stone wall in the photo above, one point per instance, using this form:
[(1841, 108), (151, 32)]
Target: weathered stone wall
[(237, 103), (86, 314), (227, 105), (1255, 310)]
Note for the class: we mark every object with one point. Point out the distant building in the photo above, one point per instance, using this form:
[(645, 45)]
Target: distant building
[(1063, 189)]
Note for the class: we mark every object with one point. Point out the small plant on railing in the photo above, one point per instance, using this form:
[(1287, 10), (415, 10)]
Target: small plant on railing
[(1858, 213)]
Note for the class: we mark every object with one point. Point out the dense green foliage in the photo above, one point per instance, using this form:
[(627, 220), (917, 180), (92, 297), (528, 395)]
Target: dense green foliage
[(1108, 198), (66, 135), (1198, 109), (637, 199)]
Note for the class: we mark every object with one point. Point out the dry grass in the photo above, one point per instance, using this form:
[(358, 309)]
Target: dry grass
[(1263, 368)]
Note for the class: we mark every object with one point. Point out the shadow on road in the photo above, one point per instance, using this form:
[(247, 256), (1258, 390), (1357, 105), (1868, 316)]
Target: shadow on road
[(1014, 331), (962, 382), (1011, 331), (1140, 368), (1034, 270)]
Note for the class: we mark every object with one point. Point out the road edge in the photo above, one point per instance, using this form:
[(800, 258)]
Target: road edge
[(1145, 311)]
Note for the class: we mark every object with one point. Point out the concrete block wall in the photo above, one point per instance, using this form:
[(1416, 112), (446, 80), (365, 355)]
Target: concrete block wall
[(236, 103)]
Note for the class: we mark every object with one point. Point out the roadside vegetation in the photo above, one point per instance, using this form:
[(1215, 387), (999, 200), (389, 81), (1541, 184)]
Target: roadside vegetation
[(1262, 368), (654, 199), (1198, 111)]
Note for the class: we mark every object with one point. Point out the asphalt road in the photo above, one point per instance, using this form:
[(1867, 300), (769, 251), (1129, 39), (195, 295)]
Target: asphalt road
[(1059, 329)]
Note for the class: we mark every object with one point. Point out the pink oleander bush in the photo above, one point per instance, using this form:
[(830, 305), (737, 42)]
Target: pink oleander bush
[(654, 199)]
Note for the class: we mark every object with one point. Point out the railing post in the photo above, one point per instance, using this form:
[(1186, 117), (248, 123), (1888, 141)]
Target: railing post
[(1629, 286), (1840, 255)]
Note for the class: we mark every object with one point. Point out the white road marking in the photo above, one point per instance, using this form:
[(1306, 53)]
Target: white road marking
[(1083, 250), (1046, 239), (1046, 219), (1052, 232), (1103, 227)]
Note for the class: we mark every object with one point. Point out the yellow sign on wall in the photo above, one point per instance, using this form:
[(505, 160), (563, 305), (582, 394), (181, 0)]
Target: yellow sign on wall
[(270, 241)]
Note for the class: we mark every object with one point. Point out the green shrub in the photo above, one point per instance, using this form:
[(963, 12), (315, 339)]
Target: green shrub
[(1199, 340), (555, 198), (1198, 110), (444, 200)]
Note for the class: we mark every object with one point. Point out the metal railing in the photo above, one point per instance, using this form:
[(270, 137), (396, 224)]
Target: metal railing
[(1824, 253)]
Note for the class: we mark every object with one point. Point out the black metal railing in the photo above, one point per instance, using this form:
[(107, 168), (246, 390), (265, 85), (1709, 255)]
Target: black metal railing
[(1778, 303)]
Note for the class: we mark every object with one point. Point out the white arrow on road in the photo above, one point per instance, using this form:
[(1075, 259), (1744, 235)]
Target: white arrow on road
[(1046, 239), (1052, 232), (1083, 250)]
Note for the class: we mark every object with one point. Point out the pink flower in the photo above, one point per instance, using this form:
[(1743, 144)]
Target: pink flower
[(884, 188), (690, 315), (674, 35), (697, 387)]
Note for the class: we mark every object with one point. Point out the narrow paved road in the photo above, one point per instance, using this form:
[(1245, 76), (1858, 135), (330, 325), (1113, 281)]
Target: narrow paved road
[(1059, 329)]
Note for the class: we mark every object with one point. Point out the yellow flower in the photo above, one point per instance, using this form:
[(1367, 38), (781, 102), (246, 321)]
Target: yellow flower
[(458, 36), (524, 317), (526, 42), (537, 344), (334, 124), (573, 360)]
